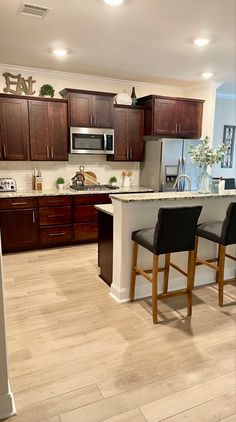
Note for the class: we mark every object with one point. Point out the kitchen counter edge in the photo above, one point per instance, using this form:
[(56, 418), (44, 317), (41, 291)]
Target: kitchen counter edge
[(70, 192), (161, 196)]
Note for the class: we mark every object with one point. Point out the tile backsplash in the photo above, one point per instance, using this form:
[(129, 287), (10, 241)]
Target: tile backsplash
[(22, 171)]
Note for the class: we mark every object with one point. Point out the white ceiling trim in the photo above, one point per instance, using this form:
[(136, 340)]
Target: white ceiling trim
[(69, 75)]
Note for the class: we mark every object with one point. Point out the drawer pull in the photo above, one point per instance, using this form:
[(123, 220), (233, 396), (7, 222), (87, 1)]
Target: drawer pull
[(56, 234), (56, 215), (19, 203)]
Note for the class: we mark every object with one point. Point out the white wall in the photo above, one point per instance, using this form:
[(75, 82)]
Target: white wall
[(225, 114), (21, 171)]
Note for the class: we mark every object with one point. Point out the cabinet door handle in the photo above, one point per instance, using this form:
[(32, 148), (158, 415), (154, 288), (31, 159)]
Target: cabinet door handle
[(176, 127), (127, 153), (47, 149), (91, 119), (56, 234), (95, 119), (4, 151), (131, 153), (33, 217), (19, 203), (56, 215), (52, 152), (179, 127)]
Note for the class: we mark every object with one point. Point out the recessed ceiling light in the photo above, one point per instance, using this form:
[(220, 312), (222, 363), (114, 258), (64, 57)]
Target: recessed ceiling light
[(201, 41), (207, 75), (114, 2), (60, 53)]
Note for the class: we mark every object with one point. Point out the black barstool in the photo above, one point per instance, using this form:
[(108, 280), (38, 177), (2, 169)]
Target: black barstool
[(223, 233), (174, 232)]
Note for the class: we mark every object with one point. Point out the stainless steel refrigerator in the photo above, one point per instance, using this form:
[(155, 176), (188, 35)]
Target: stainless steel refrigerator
[(165, 159)]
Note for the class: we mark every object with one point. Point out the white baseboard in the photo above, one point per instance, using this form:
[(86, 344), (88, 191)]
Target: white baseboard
[(7, 406)]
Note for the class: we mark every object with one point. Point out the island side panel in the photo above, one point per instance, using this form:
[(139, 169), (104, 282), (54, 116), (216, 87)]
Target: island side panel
[(130, 216)]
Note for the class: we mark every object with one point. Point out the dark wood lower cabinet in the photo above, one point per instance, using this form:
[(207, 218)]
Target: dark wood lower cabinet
[(86, 232), (105, 246), (55, 235), (31, 223), (19, 229)]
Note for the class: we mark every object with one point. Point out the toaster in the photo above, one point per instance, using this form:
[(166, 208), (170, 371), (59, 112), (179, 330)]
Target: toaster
[(7, 184)]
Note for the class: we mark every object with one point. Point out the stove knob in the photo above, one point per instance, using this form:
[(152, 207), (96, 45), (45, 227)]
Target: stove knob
[(12, 187), (1, 187)]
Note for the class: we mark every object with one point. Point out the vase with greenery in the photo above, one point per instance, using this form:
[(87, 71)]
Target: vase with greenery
[(203, 155), (47, 91), (60, 183), (113, 180)]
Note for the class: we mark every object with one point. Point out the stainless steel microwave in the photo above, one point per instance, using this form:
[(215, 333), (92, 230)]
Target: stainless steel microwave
[(91, 140)]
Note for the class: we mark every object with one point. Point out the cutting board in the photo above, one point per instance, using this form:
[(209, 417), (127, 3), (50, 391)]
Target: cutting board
[(90, 178)]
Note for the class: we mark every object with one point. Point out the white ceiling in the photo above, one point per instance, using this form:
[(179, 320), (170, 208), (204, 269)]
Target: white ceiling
[(146, 40)]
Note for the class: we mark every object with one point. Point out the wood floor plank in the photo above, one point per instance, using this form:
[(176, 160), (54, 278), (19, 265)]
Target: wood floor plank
[(76, 354), (39, 411), (213, 410), (185, 400), (132, 416)]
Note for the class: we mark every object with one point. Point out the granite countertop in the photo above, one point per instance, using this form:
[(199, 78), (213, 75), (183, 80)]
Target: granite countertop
[(160, 196), (68, 191), (107, 208)]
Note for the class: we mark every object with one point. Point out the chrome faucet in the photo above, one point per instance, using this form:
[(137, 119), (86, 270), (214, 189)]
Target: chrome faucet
[(185, 176)]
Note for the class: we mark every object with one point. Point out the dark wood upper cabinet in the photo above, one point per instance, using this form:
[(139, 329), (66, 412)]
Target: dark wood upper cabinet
[(172, 117), (48, 130), (89, 108), (39, 130), (14, 129), (129, 132), (58, 131)]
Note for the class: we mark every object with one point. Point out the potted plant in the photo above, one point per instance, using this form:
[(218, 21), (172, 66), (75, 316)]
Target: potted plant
[(60, 182), (203, 156), (47, 91), (113, 180)]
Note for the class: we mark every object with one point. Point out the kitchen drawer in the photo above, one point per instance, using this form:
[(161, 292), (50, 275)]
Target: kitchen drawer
[(86, 232), (85, 213), (55, 201), (54, 215), (56, 234), (102, 198), (16, 203)]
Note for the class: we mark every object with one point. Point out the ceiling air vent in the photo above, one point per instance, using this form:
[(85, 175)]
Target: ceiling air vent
[(33, 10)]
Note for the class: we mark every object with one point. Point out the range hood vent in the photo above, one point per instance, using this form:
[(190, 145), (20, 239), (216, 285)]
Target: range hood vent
[(33, 10)]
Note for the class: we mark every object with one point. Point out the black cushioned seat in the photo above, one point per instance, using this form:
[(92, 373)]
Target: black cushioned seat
[(174, 232), (144, 238), (223, 233)]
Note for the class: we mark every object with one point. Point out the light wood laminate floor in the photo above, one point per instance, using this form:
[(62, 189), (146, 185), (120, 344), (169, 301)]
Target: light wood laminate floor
[(76, 355)]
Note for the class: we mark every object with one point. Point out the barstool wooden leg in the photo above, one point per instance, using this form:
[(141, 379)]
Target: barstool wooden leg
[(133, 271), (154, 287), (220, 273), (166, 272), (190, 278)]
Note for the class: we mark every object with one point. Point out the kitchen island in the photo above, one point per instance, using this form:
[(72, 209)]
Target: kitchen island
[(139, 211)]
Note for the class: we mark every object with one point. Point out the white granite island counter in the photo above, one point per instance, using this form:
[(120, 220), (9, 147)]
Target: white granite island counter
[(139, 211)]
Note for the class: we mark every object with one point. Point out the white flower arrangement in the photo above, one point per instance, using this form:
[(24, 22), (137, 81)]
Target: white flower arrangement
[(203, 155)]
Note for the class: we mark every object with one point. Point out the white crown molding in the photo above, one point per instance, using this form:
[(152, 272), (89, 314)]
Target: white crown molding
[(225, 96), (203, 84), (60, 75)]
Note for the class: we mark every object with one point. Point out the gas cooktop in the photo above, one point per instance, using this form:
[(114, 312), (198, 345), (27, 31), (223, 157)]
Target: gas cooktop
[(94, 187)]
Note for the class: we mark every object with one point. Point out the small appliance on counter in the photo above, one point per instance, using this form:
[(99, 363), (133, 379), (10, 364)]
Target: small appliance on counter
[(7, 184)]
